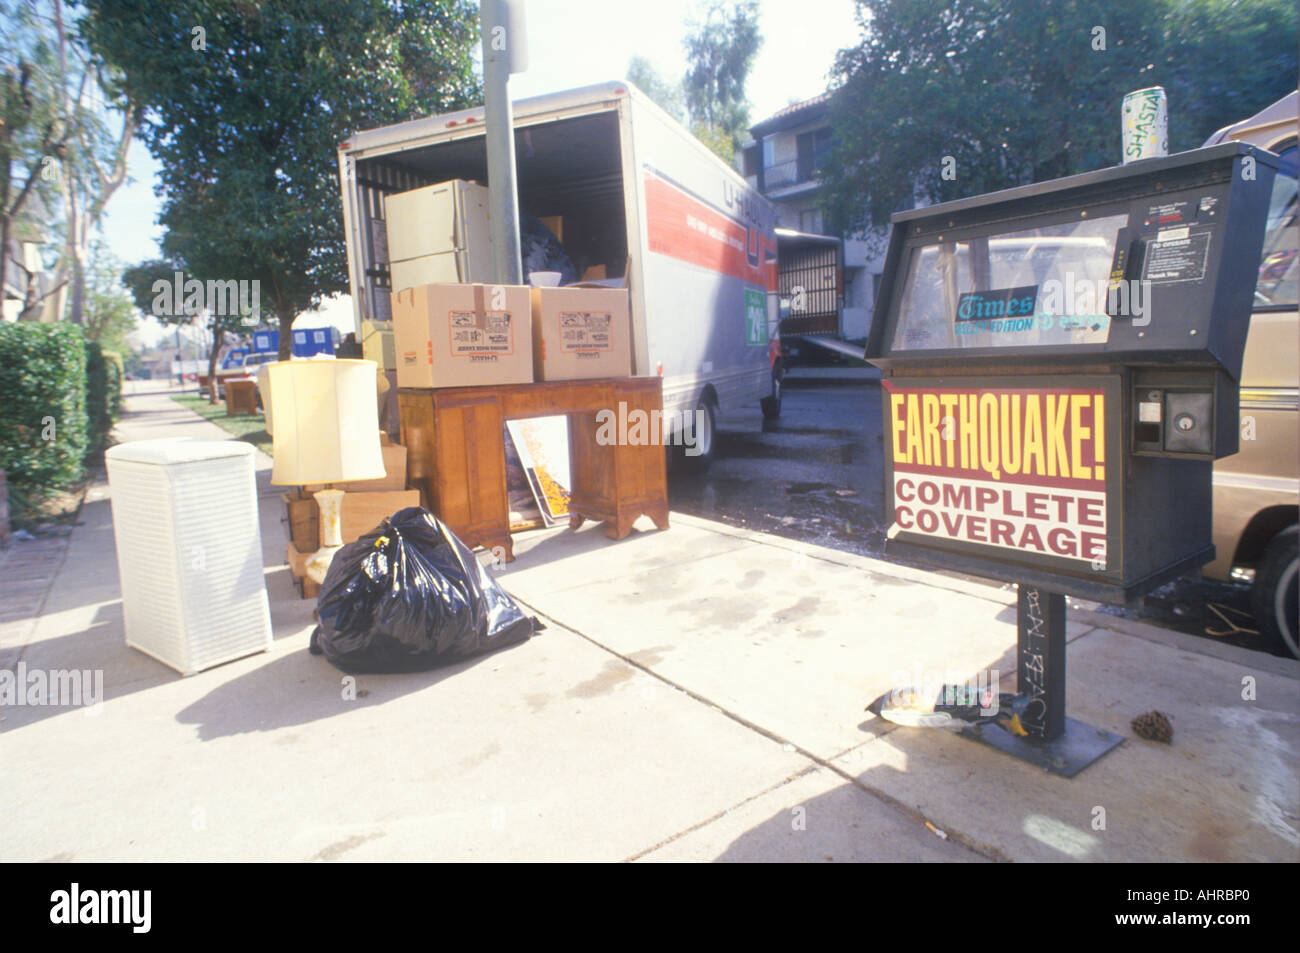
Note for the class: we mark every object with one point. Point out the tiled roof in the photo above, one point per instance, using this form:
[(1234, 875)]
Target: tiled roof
[(794, 110)]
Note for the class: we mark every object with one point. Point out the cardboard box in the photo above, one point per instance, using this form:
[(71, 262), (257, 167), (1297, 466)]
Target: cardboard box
[(394, 477), (297, 560), (304, 520), (580, 333), (359, 513), (555, 225), (362, 512), (462, 335)]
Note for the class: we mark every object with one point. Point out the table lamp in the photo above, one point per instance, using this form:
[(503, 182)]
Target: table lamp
[(326, 431)]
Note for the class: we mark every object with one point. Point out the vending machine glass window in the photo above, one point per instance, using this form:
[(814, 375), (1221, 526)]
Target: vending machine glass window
[(1019, 288)]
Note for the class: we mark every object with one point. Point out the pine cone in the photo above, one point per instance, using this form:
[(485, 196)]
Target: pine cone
[(1153, 726)]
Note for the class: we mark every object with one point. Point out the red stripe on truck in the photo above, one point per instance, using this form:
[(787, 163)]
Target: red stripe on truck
[(682, 227)]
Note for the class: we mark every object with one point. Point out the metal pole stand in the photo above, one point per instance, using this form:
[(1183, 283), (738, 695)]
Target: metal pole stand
[(1059, 744)]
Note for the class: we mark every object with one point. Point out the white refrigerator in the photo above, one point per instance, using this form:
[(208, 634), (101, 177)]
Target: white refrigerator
[(438, 234)]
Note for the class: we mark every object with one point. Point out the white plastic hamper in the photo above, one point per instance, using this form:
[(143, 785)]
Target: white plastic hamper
[(189, 550)]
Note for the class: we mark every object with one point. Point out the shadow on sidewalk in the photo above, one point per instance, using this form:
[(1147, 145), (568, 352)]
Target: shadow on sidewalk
[(97, 648), (81, 627), (299, 689), (847, 825)]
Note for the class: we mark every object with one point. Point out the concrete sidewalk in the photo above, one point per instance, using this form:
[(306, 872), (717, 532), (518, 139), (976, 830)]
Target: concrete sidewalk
[(698, 695)]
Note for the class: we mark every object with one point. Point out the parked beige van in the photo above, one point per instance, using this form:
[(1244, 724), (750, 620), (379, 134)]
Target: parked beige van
[(1256, 490)]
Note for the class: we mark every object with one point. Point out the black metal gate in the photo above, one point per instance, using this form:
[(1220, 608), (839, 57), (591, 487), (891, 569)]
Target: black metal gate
[(807, 279)]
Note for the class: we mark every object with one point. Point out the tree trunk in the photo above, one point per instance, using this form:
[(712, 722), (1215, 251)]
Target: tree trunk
[(76, 310), (286, 340), (72, 268), (74, 222), (4, 230), (218, 337)]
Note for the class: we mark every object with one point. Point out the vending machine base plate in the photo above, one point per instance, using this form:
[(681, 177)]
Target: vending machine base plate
[(1079, 746)]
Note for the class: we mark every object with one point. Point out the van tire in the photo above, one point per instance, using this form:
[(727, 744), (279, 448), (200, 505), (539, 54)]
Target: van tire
[(1274, 593), (706, 441), (772, 404)]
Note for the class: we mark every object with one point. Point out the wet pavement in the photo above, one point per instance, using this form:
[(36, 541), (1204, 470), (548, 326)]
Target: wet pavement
[(815, 475)]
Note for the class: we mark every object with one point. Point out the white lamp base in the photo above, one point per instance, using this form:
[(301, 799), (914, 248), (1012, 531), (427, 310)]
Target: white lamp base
[(331, 531)]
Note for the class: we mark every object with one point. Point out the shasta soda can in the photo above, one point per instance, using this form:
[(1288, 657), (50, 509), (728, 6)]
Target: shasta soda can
[(1146, 124)]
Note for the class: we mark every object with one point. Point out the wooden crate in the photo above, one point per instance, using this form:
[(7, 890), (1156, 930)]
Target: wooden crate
[(303, 519), (241, 396)]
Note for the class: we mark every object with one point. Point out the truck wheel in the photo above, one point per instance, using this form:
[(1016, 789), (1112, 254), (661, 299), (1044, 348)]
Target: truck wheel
[(772, 404), (704, 445), (1275, 594)]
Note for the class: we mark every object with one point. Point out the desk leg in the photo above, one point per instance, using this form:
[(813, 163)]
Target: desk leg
[(658, 513), (617, 483), (618, 527), (591, 469), (621, 525), (501, 547)]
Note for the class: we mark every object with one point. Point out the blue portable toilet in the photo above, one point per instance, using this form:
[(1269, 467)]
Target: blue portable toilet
[(266, 340), (308, 342)]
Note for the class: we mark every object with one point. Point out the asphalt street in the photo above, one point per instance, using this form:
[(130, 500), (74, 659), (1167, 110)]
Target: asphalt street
[(815, 475)]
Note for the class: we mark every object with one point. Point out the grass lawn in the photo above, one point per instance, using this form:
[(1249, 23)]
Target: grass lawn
[(247, 427)]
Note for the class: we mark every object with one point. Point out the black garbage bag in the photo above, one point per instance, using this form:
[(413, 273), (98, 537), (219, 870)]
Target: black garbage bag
[(410, 596)]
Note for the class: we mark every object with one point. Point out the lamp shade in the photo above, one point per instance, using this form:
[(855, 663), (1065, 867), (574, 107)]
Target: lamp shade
[(326, 422)]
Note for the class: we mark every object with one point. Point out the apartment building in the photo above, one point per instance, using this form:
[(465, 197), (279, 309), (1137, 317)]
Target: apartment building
[(783, 161)]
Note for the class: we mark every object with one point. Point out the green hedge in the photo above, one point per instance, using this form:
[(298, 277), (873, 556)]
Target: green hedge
[(43, 426), (103, 395), (117, 374)]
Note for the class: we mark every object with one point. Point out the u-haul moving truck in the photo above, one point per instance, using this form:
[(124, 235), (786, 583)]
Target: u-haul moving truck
[(630, 185)]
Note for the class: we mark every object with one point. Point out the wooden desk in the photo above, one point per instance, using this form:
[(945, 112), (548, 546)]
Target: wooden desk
[(456, 454)]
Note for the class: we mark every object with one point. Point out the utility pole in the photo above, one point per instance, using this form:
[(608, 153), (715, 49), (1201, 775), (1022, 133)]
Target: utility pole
[(505, 51)]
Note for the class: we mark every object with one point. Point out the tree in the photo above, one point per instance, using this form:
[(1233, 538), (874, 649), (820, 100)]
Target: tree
[(30, 137), (987, 94), (720, 50), (62, 156), (109, 312), (1226, 61), (668, 97), (159, 287), (247, 103)]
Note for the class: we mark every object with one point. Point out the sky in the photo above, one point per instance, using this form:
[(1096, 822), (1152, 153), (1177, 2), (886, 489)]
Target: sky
[(575, 43)]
